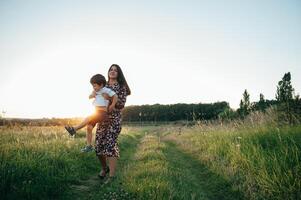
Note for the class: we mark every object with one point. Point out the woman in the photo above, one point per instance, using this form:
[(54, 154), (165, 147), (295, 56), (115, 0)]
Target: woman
[(106, 146)]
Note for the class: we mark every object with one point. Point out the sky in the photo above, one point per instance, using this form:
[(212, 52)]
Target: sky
[(170, 51)]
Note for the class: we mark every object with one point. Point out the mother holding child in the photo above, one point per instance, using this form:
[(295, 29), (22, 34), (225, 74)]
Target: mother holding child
[(110, 98)]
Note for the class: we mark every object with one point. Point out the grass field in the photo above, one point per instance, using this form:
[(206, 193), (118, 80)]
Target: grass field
[(157, 162)]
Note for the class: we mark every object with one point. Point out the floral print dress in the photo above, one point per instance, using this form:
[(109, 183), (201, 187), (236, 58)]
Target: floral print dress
[(107, 132)]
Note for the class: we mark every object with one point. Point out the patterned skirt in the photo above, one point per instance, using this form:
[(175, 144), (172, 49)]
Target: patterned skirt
[(107, 134)]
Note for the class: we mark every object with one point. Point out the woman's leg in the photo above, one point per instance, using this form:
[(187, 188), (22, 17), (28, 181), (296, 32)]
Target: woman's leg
[(103, 163), (112, 165)]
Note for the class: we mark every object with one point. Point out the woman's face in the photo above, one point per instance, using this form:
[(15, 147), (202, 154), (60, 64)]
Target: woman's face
[(113, 73)]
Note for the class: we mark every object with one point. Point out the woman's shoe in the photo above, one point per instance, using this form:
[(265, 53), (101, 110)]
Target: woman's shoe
[(110, 179), (107, 169), (101, 175)]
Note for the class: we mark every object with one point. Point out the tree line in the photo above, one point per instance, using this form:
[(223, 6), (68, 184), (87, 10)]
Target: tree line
[(287, 103), (174, 112)]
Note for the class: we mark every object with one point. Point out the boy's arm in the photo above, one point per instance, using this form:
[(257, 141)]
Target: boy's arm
[(92, 95)]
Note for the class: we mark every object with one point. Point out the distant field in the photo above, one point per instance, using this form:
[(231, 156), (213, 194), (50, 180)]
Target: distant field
[(205, 161)]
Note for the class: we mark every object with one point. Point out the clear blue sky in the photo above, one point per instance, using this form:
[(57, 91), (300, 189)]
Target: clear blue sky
[(170, 51)]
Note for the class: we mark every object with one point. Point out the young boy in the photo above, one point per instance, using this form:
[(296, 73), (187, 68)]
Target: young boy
[(99, 93)]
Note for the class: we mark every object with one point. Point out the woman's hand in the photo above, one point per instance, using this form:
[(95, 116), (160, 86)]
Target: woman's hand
[(111, 108)]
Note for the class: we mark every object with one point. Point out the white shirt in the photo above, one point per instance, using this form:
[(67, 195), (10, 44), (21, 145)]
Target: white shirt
[(100, 100)]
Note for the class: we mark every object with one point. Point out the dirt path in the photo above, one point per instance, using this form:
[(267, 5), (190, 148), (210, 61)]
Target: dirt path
[(85, 188), (157, 169), (94, 188)]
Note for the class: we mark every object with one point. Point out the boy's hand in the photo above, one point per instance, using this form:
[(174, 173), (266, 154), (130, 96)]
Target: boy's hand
[(106, 96), (92, 95), (111, 108)]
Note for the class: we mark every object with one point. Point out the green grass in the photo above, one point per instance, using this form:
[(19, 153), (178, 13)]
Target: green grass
[(40, 162), (44, 162), (158, 169), (262, 162), (162, 171), (161, 162)]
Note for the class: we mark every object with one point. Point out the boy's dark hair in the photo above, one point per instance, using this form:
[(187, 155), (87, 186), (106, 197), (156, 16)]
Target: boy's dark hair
[(98, 79)]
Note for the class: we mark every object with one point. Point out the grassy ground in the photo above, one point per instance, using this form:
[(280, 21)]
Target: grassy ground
[(261, 162), (40, 162), (163, 162)]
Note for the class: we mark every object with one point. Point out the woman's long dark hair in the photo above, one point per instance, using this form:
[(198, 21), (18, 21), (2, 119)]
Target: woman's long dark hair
[(120, 78)]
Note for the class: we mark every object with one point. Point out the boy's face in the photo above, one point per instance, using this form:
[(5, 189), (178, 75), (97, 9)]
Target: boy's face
[(96, 87)]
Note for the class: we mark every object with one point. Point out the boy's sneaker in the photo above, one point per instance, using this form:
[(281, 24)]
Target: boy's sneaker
[(86, 149), (70, 130)]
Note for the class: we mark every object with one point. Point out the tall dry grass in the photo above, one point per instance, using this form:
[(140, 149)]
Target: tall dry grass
[(258, 155)]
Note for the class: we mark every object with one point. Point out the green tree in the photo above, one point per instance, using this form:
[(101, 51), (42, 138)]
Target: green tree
[(284, 96), (285, 89), (245, 105), (174, 112), (262, 103), (261, 98)]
